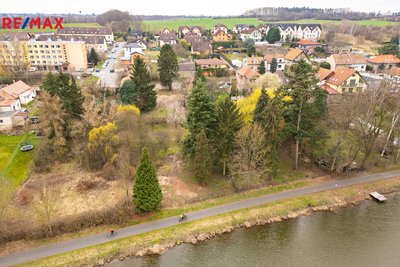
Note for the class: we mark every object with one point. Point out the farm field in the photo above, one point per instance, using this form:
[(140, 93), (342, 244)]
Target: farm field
[(14, 164), (208, 23)]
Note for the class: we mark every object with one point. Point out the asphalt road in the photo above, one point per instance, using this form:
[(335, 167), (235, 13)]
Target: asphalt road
[(108, 78), (82, 242)]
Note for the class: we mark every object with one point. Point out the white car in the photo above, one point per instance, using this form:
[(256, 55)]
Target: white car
[(114, 57)]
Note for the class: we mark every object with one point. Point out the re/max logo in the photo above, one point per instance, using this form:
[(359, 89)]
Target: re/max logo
[(37, 23)]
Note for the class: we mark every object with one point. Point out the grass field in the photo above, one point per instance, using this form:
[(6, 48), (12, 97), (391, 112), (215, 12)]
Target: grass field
[(14, 164), (208, 23), (87, 25)]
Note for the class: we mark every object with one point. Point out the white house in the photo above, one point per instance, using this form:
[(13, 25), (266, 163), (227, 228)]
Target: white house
[(349, 60), (280, 61), (253, 34), (238, 28), (19, 90), (141, 43), (167, 38), (10, 111), (132, 48), (299, 31), (219, 27)]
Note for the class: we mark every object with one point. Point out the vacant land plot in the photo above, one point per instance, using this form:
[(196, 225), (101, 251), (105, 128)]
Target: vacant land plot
[(14, 164), (208, 23)]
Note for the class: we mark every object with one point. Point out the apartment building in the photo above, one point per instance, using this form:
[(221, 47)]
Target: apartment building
[(107, 33), (43, 54)]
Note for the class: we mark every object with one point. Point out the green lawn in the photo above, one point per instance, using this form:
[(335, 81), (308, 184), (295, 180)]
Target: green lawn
[(208, 23), (14, 164), (65, 25)]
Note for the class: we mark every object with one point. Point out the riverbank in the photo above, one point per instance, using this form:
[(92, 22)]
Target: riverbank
[(159, 241)]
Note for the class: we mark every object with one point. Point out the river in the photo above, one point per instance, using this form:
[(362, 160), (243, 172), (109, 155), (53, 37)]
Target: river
[(363, 235)]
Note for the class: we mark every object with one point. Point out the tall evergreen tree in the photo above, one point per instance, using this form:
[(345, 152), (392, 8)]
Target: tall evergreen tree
[(167, 65), (259, 111), (229, 122), (127, 92), (201, 116), (261, 69), (199, 76), (144, 96), (64, 86), (202, 159), (307, 107), (147, 190), (273, 35), (93, 57), (274, 65)]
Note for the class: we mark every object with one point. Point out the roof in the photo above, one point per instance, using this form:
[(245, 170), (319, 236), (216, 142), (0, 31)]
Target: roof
[(219, 31), (330, 90), (284, 26), (269, 57), (348, 59), (254, 60), (248, 72), (293, 54), (166, 37), (394, 71), (189, 66), (241, 25), (16, 89), (193, 38), (135, 33), (220, 25), (307, 42), (132, 45), (15, 36), (340, 75), (201, 46), (85, 30), (73, 37), (322, 73), (212, 61), (249, 31), (385, 59)]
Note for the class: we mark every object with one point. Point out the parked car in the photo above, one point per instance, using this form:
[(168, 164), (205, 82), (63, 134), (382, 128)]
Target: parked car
[(116, 45), (114, 57), (109, 56), (97, 70), (111, 70)]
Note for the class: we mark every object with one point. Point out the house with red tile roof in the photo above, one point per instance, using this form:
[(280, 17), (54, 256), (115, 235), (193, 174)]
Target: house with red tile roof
[(246, 74), (384, 62), (307, 45), (295, 55), (20, 90), (349, 60), (342, 80)]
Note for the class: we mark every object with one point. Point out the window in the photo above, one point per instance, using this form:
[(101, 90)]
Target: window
[(52, 46), (1, 121), (352, 82), (35, 46), (41, 46)]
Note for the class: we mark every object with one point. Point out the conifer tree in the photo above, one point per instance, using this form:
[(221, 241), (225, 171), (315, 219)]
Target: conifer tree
[(261, 69), (93, 57), (127, 92), (229, 122), (202, 159), (274, 65), (259, 111), (144, 96), (201, 116), (147, 190), (167, 65)]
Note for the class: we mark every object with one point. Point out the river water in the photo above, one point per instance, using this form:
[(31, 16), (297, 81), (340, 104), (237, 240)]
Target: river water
[(363, 235)]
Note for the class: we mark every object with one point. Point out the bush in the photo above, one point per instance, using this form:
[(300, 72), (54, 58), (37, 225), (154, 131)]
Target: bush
[(325, 65), (369, 68)]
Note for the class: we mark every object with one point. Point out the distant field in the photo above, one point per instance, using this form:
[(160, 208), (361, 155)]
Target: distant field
[(208, 23), (14, 164), (87, 25)]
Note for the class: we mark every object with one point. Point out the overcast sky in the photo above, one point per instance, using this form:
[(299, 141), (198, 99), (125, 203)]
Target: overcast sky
[(184, 7)]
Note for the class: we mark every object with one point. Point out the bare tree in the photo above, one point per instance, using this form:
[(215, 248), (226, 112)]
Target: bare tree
[(45, 207)]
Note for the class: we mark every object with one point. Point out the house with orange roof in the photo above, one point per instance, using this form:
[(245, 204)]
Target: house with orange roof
[(246, 74), (294, 55), (10, 110), (384, 62), (20, 90), (307, 45), (221, 36), (343, 80), (253, 62)]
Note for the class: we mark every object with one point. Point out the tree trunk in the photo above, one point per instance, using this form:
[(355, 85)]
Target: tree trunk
[(394, 120), (296, 159), (335, 155), (223, 167)]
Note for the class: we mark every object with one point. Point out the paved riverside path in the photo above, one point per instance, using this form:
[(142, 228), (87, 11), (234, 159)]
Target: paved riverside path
[(82, 242)]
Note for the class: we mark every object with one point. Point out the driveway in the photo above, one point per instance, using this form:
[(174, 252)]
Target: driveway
[(82, 242), (107, 78)]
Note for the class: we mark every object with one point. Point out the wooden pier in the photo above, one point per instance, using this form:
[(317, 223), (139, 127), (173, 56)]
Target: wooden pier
[(377, 196)]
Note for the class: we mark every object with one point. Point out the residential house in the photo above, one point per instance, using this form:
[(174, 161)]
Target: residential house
[(107, 33), (338, 47), (193, 38), (297, 31), (221, 36), (131, 48), (393, 74), (167, 38), (251, 34), (166, 30), (238, 28), (383, 62), (252, 62), (219, 27), (295, 55), (142, 43), (343, 80), (246, 75), (10, 108), (201, 48), (307, 46), (135, 34), (21, 91), (280, 60), (183, 30), (349, 60), (211, 66)]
